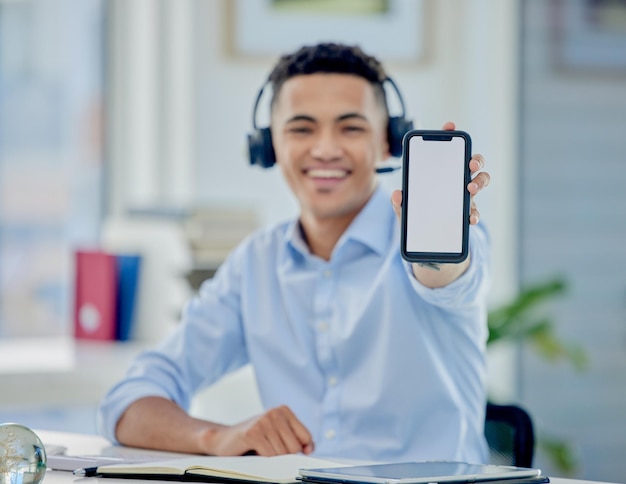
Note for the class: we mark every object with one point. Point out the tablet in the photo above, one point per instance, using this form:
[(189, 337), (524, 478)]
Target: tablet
[(417, 473)]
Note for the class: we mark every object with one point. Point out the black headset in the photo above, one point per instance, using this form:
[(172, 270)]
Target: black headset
[(260, 139)]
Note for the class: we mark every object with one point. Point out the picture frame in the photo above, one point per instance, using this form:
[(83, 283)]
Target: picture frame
[(589, 36), (394, 30)]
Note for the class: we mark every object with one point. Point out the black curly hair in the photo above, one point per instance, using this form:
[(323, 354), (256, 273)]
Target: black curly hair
[(332, 58)]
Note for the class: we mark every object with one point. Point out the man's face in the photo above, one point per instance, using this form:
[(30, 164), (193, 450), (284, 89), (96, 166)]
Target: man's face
[(329, 131)]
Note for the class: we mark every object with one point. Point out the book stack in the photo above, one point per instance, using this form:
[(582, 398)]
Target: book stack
[(104, 294), (213, 232)]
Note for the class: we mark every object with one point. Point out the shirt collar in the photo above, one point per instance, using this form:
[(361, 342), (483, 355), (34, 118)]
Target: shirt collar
[(369, 228), (294, 239)]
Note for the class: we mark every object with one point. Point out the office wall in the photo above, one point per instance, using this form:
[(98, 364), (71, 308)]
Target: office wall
[(51, 95), (573, 215)]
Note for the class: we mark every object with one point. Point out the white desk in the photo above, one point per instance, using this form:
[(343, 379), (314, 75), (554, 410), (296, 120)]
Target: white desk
[(60, 389), (61, 371), (85, 444), (78, 444), (57, 383)]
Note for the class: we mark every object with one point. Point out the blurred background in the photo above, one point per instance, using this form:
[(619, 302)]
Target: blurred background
[(122, 129)]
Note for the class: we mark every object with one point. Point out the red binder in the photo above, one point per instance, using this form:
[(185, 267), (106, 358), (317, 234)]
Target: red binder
[(95, 308)]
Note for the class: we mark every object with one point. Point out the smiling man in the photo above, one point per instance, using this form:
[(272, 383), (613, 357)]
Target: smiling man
[(357, 353), (329, 132)]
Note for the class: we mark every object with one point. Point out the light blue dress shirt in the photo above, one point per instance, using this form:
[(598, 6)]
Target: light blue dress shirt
[(375, 365)]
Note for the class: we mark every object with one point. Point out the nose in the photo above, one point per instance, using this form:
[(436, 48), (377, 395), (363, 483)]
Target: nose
[(326, 147)]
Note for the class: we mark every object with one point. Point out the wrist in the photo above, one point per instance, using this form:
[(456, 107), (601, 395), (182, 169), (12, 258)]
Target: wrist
[(208, 438)]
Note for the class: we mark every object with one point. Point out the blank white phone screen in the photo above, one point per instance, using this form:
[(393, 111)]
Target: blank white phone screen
[(435, 195)]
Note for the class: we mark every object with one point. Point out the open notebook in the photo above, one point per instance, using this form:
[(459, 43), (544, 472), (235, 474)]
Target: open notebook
[(281, 469)]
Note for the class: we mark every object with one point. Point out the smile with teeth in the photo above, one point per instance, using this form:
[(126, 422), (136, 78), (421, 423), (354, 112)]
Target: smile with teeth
[(327, 173)]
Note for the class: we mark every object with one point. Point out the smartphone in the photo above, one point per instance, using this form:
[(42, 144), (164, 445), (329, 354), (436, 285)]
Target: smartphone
[(435, 200)]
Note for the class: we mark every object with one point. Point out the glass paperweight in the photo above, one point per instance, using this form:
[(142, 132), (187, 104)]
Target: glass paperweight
[(22, 455)]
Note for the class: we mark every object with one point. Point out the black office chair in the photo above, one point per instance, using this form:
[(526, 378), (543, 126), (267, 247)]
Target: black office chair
[(509, 433)]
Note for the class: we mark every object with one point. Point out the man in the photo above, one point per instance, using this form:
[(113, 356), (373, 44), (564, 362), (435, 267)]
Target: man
[(357, 353)]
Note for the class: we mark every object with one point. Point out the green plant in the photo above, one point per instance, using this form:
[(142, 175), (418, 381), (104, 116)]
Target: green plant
[(522, 321), (525, 321), (560, 453)]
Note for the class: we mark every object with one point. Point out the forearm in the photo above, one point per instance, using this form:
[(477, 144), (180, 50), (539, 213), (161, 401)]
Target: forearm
[(158, 423)]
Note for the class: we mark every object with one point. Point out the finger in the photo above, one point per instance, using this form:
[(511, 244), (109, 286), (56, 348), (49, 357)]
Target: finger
[(256, 437), (474, 216), (272, 428), (295, 435), (302, 434), (449, 126), (284, 439), (308, 448), (477, 163), (479, 182), (284, 433), (396, 201)]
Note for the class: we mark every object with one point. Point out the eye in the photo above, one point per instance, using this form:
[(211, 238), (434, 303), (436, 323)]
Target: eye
[(353, 128), (299, 130)]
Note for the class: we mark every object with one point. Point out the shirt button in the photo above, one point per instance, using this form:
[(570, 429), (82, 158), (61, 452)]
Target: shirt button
[(328, 273), (322, 326), (332, 381), (330, 434)]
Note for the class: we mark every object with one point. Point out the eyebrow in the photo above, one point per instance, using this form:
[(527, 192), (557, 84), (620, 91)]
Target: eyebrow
[(311, 119), (343, 117), (300, 117)]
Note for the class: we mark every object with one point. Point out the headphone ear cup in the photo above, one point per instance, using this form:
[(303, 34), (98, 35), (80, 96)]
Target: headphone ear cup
[(398, 127), (260, 148)]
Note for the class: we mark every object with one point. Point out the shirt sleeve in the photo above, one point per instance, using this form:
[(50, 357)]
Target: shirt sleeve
[(207, 344), (472, 285)]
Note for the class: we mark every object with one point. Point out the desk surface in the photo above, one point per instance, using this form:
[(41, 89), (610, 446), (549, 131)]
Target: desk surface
[(83, 444)]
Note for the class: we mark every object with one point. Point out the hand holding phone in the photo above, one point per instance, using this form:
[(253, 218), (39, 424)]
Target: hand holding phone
[(435, 201)]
